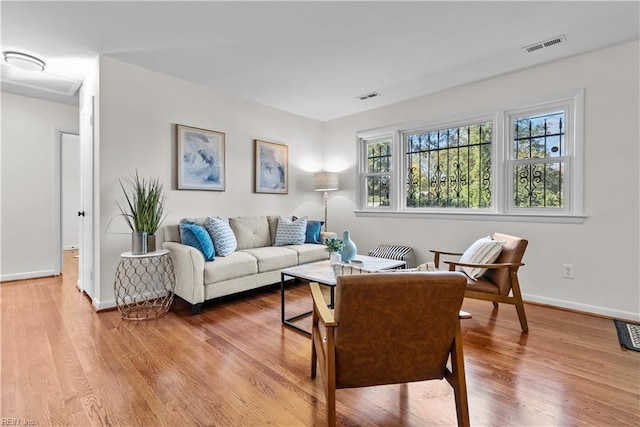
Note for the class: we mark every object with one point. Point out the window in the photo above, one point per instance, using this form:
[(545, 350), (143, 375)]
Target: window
[(523, 161), (538, 159), (449, 167), (377, 172)]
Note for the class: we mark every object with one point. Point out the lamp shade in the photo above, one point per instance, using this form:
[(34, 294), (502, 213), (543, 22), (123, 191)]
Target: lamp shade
[(325, 181)]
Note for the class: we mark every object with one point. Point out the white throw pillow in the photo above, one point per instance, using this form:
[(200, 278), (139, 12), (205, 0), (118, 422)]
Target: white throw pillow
[(342, 269), (482, 251), (291, 232)]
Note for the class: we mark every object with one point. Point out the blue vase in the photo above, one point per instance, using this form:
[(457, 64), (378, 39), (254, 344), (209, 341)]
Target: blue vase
[(349, 251)]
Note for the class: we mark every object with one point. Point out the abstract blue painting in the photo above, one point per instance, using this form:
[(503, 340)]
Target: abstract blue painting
[(201, 160), (272, 168)]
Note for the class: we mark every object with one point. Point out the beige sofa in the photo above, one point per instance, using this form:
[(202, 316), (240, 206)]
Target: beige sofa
[(255, 263)]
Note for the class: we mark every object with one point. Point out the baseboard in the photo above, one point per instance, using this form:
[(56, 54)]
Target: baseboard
[(103, 305), (585, 308), (26, 275)]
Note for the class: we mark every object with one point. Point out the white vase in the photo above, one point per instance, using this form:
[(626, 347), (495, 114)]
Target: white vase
[(335, 257)]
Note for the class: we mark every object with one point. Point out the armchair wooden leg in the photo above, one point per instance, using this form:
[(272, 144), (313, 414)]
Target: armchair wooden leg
[(517, 295), (522, 316), (495, 305), (456, 378), (331, 406)]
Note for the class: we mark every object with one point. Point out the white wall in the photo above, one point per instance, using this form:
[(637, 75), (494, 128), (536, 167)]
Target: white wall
[(604, 249), (29, 128), (138, 112)]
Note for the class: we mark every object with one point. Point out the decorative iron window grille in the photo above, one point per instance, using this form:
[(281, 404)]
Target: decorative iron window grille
[(450, 167), (520, 161), (378, 172), (539, 159)]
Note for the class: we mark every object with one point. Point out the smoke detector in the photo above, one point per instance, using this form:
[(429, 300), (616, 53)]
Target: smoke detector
[(547, 43)]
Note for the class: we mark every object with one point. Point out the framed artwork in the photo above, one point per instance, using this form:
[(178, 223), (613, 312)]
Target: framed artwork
[(272, 168), (201, 159)]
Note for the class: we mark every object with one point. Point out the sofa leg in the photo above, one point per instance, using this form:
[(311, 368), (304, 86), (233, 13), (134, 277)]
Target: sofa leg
[(196, 308)]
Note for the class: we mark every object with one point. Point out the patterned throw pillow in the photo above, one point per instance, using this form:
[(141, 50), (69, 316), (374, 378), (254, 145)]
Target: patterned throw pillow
[(482, 251), (222, 235), (291, 232), (197, 236)]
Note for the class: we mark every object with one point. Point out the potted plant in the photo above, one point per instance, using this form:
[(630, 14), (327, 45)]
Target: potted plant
[(143, 211), (334, 246)]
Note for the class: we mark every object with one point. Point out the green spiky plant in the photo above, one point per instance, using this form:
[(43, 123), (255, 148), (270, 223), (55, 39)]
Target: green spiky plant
[(144, 210)]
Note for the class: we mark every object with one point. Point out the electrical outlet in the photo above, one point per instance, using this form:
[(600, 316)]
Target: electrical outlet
[(567, 271)]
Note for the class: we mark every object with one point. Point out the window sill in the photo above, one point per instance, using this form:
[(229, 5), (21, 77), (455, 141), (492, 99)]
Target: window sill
[(475, 216)]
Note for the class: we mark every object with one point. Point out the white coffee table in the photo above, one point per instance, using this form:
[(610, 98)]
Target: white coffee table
[(322, 273)]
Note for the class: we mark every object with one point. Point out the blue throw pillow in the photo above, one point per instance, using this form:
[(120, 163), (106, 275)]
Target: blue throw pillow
[(197, 236), (312, 234), (313, 231), (222, 235)]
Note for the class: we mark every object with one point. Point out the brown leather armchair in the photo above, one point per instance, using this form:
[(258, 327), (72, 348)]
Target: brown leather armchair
[(500, 282), (390, 328)]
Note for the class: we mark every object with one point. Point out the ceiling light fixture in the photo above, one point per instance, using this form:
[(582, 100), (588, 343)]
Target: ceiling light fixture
[(24, 61)]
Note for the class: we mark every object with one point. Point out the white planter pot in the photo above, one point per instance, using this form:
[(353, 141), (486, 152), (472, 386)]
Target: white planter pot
[(335, 257)]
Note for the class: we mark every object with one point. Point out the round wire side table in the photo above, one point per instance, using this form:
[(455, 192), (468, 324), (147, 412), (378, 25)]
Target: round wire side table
[(144, 285)]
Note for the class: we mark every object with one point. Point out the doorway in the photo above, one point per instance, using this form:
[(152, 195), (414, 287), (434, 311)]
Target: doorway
[(68, 198), (70, 194)]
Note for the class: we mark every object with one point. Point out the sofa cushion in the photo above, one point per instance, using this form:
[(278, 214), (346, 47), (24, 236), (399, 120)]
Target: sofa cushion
[(273, 258), (482, 285), (291, 232), (234, 265), (222, 235), (251, 231), (309, 252), (197, 236)]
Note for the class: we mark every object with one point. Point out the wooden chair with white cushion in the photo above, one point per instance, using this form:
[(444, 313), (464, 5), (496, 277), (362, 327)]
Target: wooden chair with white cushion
[(494, 279)]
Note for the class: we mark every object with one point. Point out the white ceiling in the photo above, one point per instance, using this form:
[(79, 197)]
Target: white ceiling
[(312, 58)]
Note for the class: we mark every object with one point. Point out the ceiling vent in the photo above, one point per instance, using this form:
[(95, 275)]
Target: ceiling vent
[(547, 43), (368, 96)]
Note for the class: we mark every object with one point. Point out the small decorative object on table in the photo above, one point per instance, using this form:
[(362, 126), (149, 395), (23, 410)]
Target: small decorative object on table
[(334, 246), (349, 251), (143, 212)]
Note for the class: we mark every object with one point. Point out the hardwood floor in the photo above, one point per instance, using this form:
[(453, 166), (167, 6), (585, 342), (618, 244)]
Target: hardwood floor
[(235, 365)]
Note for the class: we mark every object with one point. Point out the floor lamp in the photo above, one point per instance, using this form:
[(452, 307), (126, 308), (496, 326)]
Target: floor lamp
[(325, 181)]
